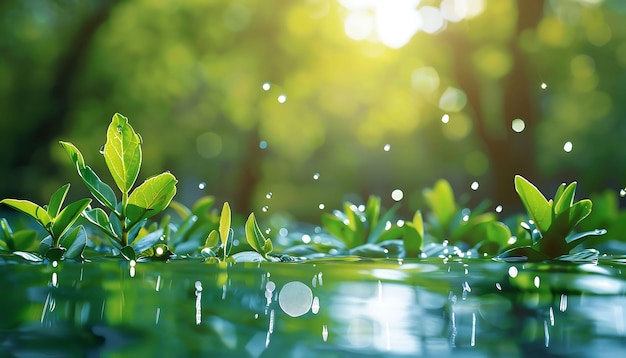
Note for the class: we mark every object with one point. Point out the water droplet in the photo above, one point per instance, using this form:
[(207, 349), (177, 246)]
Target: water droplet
[(387, 147), (202, 185), (466, 218), (269, 195), (568, 146), (316, 176), (119, 129), (518, 125), (474, 185), (267, 86), (499, 209), (513, 271), (445, 118), (101, 149), (265, 208), (295, 299), (282, 98), (537, 281), (397, 195), (622, 192), (262, 144), (267, 232), (400, 223), (306, 238), (544, 85), (321, 206)]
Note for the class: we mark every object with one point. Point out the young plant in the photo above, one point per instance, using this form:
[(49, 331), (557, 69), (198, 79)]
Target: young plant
[(61, 242), (256, 239), (122, 155), (554, 220), (451, 223), (220, 242)]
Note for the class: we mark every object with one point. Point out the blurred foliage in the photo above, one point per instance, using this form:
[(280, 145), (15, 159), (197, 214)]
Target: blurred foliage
[(190, 74)]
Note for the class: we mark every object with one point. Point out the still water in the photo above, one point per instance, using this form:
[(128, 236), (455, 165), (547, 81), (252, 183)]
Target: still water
[(330, 308)]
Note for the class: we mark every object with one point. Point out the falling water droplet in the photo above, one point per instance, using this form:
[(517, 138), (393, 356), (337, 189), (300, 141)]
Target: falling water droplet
[(397, 195), (267, 232), (265, 208), (474, 185), (101, 149), (518, 125), (445, 118), (316, 176), (387, 147), (267, 86), (544, 85), (622, 192), (269, 195), (321, 206), (282, 98), (262, 144), (499, 209), (568, 146), (202, 185)]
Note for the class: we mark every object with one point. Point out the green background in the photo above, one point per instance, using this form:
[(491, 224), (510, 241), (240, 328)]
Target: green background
[(189, 76)]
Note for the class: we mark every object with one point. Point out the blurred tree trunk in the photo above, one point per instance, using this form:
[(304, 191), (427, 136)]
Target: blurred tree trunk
[(509, 153), (54, 105)]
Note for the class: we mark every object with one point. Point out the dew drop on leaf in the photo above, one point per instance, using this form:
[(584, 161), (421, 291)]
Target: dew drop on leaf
[(101, 150), (119, 129)]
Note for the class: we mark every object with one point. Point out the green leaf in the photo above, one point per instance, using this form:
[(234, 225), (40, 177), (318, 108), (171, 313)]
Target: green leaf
[(377, 232), (575, 238), (565, 200), (202, 205), (25, 240), (128, 253), (147, 241), (100, 219), (57, 199), (536, 205), (45, 245), (441, 201), (559, 192), (255, 237), (224, 227), (151, 197), (33, 210), (122, 153), (212, 240), (32, 257), (413, 237), (75, 242), (6, 235), (67, 217), (372, 210), (100, 190)]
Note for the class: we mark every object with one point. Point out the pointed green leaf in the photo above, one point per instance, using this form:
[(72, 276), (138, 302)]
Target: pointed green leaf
[(536, 205), (574, 238), (57, 199), (100, 219), (372, 210), (255, 237), (202, 205), (100, 190), (151, 197), (122, 153), (32, 257), (377, 232), (579, 211), (413, 241), (35, 211), (224, 227), (75, 242), (441, 201), (565, 200), (6, 235), (45, 245), (67, 217), (212, 240), (559, 192), (25, 240), (418, 223)]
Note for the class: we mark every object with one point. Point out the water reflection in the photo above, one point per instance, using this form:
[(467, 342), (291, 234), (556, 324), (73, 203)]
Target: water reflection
[(418, 308)]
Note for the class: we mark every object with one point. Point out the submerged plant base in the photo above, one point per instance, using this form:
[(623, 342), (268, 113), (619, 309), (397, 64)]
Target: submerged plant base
[(430, 307)]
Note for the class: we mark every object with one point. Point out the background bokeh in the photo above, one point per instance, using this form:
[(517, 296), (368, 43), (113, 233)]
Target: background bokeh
[(239, 99)]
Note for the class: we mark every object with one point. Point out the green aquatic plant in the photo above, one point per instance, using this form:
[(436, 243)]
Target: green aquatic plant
[(368, 231), (123, 156), (554, 221), (62, 241), (451, 223)]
